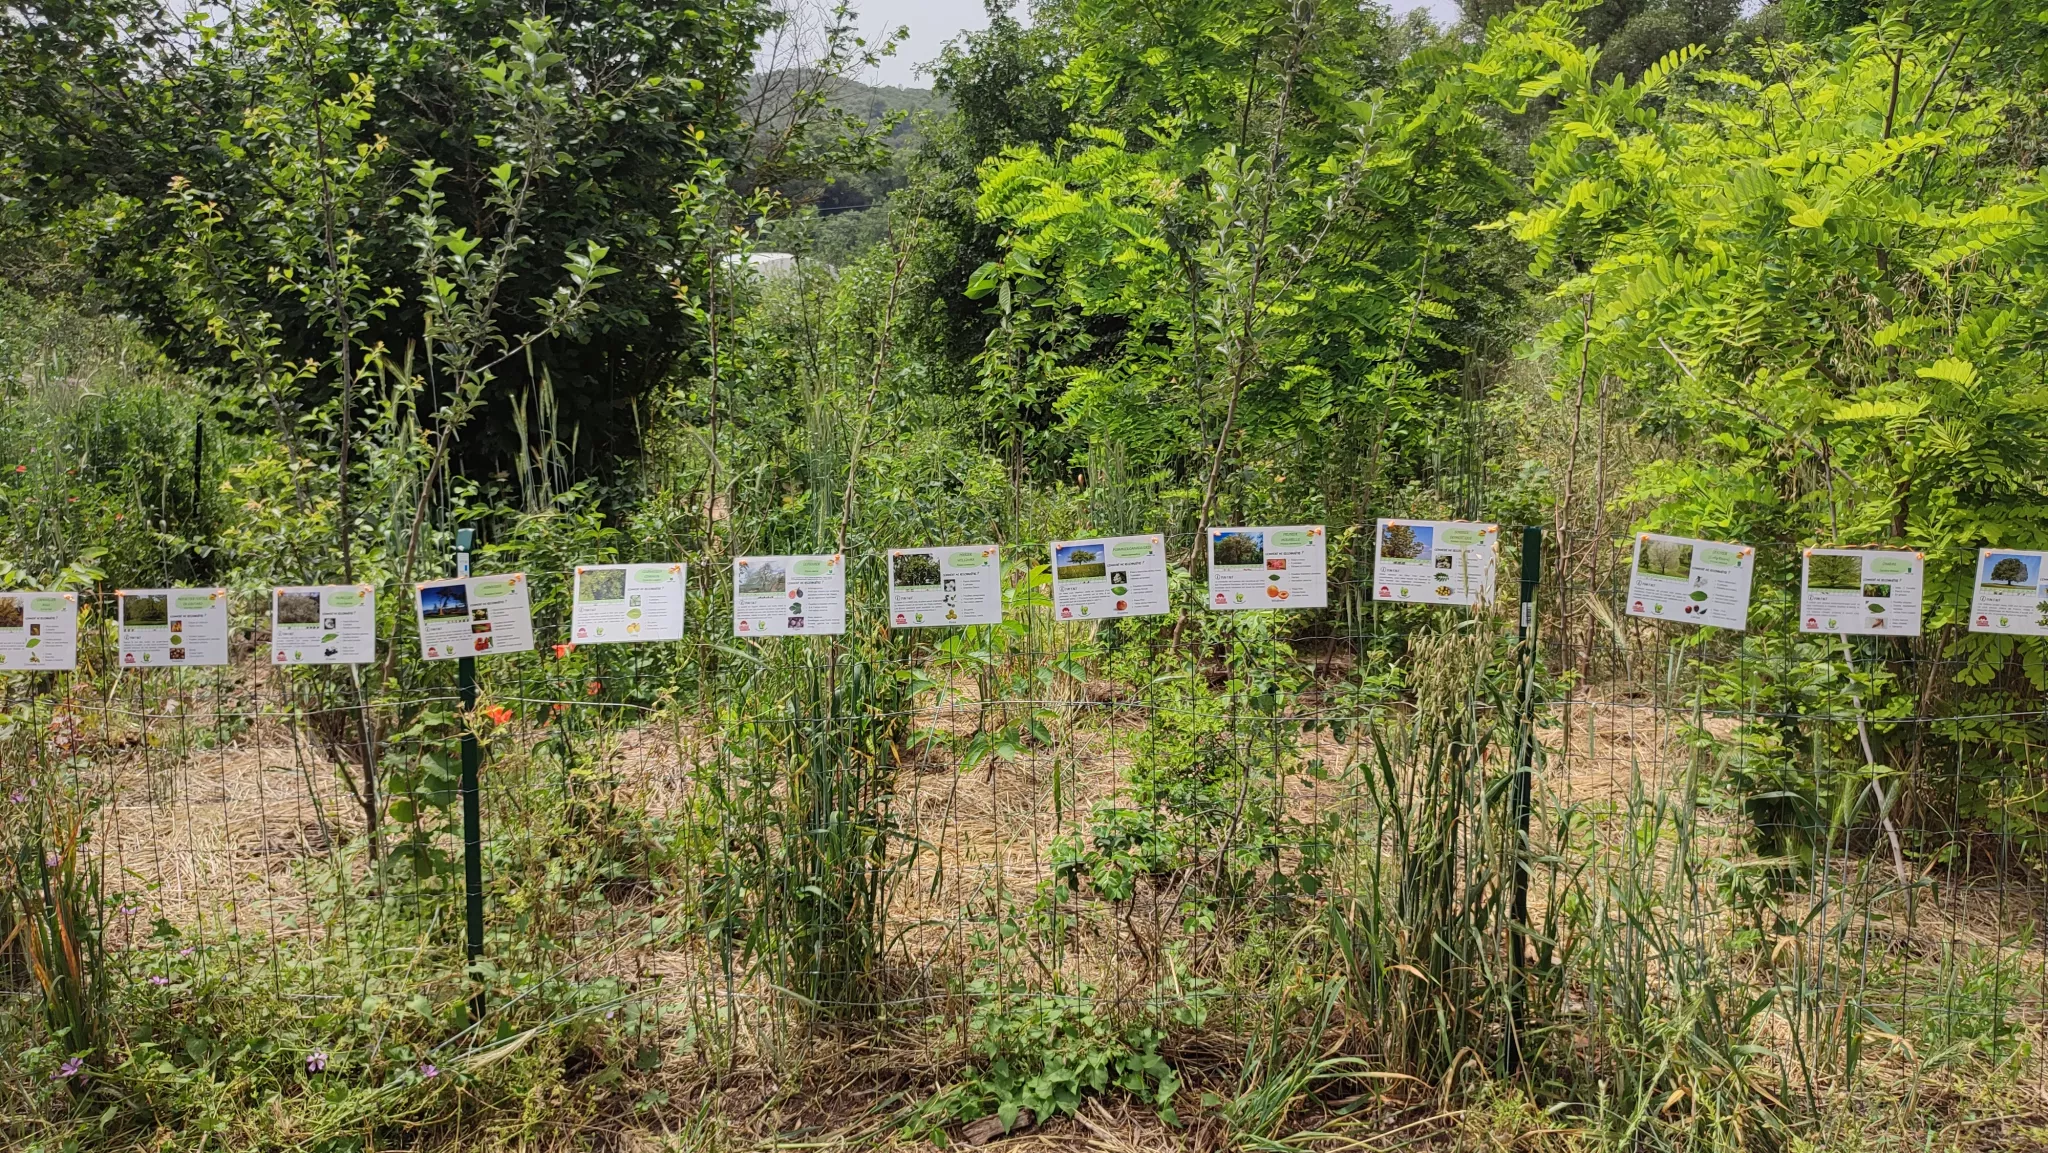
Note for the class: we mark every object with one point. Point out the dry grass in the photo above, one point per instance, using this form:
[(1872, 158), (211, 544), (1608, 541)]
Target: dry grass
[(225, 838)]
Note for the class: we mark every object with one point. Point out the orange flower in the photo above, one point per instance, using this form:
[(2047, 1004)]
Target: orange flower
[(562, 651), (499, 714), (593, 688)]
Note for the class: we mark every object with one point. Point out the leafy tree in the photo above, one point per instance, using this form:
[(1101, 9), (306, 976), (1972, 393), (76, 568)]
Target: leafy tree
[(1398, 541), (915, 570), (999, 85), (1821, 275), (1251, 257), (104, 103), (1632, 35), (2009, 570), (1239, 550)]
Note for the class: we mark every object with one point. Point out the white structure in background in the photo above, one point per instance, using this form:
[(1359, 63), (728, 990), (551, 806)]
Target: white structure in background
[(768, 265)]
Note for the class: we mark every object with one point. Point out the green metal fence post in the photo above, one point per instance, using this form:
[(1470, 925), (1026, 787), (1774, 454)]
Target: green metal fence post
[(1525, 773), (472, 807)]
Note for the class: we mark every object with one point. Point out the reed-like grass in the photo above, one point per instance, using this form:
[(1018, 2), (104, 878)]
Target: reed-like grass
[(803, 793)]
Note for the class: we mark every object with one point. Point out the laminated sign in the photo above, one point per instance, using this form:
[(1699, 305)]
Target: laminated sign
[(323, 625), (1435, 562), (173, 627), (628, 602), (474, 617), (1861, 591), (1109, 577), (945, 586), (782, 596), (2010, 594), (38, 631), (1693, 582), (1272, 567)]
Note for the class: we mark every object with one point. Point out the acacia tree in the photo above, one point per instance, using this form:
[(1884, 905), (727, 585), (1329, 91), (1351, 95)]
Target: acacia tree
[(1250, 267), (1819, 275)]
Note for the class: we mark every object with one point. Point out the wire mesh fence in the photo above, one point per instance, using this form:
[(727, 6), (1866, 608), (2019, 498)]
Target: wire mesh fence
[(1829, 843)]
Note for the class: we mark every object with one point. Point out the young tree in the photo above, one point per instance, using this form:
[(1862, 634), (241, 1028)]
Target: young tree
[(1242, 183), (104, 103), (1814, 275), (224, 287)]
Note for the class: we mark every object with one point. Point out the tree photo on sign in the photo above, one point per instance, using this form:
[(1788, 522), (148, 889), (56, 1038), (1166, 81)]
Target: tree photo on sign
[(914, 570), (1240, 547), (601, 585), (1834, 572), (2010, 571), (1668, 558), (764, 577), (1080, 562), (1406, 542)]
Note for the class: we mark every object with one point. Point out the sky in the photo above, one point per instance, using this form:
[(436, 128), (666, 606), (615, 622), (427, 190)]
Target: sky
[(933, 22)]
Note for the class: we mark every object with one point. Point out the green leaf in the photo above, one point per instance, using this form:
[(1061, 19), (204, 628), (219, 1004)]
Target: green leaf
[(1952, 369), (1877, 410), (984, 280)]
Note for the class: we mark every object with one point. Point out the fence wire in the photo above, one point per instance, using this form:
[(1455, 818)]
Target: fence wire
[(1054, 810)]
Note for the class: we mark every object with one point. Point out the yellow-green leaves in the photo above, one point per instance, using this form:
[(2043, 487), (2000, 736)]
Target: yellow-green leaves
[(1877, 410), (1952, 369), (1817, 274), (1658, 75), (1805, 214)]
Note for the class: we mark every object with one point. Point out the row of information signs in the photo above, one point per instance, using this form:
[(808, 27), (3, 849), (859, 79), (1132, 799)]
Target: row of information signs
[(1677, 579)]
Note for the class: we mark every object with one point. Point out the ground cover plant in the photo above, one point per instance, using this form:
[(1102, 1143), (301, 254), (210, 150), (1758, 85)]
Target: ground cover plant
[(301, 293)]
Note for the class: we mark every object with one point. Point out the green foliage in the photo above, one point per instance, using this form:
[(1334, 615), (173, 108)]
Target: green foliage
[(1202, 814), (1045, 1053), (803, 798), (106, 461), (998, 82), (1158, 265), (1172, 272), (1413, 931), (1815, 268), (305, 116)]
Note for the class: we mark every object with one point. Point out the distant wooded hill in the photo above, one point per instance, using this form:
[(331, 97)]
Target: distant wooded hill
[(851, 209)]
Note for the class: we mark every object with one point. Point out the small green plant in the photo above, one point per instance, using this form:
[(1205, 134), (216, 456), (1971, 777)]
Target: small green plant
[(1043, 1053)]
